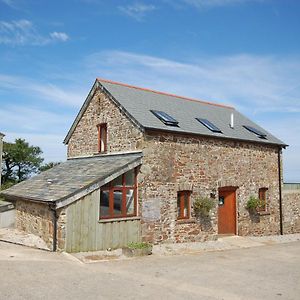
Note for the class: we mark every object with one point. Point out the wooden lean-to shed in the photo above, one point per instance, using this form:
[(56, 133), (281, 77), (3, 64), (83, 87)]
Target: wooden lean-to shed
[(61, 205)]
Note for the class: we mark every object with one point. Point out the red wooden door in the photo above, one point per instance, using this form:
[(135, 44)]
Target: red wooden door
[(227, 212)]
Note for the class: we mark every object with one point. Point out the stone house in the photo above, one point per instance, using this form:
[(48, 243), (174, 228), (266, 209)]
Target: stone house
[(139, 160), (1, 149)]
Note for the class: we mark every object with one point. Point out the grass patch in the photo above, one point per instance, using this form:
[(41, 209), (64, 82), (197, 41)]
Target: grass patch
[(141, 245)]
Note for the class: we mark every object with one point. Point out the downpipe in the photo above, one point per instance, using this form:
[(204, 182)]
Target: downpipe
[(280, 191), (54, 223)]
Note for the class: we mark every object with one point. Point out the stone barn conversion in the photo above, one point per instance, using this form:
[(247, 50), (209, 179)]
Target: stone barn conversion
[(139, 160)]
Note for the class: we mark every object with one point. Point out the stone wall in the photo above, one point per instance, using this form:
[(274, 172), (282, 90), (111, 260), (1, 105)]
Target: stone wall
[(122, 135), (36, 218), (172, 161), (291, 211)]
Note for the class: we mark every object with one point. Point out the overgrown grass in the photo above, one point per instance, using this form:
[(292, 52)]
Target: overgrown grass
[(141, 245)]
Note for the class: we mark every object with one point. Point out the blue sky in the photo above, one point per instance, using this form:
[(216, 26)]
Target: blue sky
[(244, 53)]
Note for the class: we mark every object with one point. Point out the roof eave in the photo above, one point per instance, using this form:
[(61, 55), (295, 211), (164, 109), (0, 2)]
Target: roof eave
[(81, 192), (86, 103), (282, 145), (81, 112), (31, 199)]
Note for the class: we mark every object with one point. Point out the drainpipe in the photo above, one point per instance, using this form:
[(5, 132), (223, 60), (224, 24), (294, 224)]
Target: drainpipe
[(54, 223), (280, 192)]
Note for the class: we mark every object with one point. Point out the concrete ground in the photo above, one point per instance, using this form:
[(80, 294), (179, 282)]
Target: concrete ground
[(271, 271)]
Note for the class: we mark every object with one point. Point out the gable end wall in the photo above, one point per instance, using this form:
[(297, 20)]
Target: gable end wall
[(122, 135)]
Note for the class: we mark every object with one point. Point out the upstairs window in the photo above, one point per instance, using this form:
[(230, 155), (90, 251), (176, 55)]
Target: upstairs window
[(118, 198), (262, 194), (259, 133), (183, 205), (102, 137), (209, 125), (165, 118)]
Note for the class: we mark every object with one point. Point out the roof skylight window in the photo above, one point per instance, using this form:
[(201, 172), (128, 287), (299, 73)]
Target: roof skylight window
[(209, 125), (165, 118), (259, 133)]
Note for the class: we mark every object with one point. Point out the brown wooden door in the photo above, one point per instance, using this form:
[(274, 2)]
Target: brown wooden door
[(227, 212)]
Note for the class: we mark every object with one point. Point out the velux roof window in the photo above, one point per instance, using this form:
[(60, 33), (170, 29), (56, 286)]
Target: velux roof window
[(259, 133), (165, 118), (209, 125)]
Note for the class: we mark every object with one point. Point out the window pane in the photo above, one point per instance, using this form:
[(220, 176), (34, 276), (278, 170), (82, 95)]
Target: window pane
[(103, 137), (104, 204), (186, 205), (129, 202), (129, 178), (178, 204), (117, 181), (117, 202)]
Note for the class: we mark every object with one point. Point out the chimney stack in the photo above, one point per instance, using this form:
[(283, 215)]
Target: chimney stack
[(232, 121)]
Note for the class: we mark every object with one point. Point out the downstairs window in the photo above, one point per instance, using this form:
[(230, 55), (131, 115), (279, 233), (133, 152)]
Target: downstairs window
[(262, 194), (183, 205), (118, 198)]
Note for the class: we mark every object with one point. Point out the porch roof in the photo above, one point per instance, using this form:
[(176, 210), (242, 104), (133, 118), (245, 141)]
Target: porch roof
[(73, 179)]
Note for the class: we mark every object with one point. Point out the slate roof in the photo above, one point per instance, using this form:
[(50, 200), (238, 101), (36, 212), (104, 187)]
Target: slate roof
[(69, 178), (137, 102)]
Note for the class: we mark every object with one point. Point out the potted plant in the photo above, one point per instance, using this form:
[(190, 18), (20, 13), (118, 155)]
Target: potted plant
[(203, 205), (137, 249), (254, 204)]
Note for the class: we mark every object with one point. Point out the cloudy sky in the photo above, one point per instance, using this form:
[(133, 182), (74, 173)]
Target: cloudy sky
[(244, 53)]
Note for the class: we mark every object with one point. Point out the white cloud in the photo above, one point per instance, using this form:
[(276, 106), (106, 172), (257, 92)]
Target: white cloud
[(60, 36), (137, 10), (51, 144), (71, 97), (265, 88), (23, 32), (38, 127), (257, 83), (10, 3), (32, 119), (203, 4)]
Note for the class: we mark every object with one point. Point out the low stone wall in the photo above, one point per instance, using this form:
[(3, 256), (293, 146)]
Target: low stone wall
[(291, 211), (37, 219)]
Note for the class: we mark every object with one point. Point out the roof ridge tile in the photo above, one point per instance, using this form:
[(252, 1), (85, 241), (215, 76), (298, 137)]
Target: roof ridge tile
[(163, 93)]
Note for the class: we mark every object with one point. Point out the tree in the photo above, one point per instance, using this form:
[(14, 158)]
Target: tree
[(20, 161), (48, 166)]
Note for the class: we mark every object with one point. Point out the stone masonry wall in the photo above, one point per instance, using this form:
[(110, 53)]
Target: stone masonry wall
[(122, 135), (176, 162), (291, 211), (36, 218)]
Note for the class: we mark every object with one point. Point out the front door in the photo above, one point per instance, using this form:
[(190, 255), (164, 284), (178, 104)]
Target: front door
[(227, 211)]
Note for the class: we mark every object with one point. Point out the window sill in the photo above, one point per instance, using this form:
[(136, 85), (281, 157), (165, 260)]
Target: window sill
[(263, 213), (118, 219), (186, 221)]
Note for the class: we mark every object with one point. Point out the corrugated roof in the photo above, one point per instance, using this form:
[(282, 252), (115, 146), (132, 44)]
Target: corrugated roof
[(138, 102), (72, 177)]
